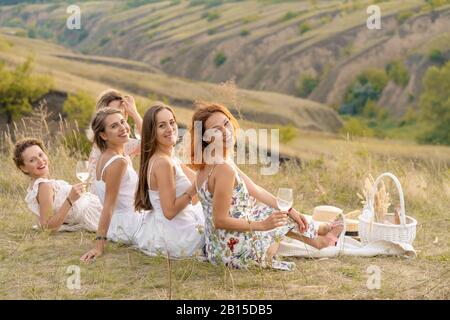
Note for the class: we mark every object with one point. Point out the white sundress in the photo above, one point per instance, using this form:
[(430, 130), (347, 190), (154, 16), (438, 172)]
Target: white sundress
[(180, 237), (125, 222), (84, 214), (131, 147)]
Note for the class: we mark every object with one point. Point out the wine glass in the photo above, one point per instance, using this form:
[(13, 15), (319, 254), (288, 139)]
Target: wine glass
[(285, 199), (82, 171)]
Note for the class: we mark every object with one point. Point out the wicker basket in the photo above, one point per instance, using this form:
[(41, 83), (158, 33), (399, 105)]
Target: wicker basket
[(369, 230)]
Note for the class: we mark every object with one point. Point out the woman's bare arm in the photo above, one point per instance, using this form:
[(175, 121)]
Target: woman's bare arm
[(49, 219), (165, 180)]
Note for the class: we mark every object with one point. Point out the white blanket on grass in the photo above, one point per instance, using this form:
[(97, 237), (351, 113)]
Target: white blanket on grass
[(346, 246)]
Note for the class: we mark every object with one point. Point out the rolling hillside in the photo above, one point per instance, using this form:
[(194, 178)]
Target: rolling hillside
[(73, 72), (263, 45)]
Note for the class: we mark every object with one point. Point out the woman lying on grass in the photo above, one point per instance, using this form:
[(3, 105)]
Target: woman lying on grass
[(239, 232), (58, 205)]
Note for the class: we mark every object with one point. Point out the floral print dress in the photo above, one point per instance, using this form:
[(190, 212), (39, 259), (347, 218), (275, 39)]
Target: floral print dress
[(241, 249)]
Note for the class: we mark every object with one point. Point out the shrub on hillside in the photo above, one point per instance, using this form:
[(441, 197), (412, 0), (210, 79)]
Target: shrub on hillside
[(437, 56), (435, 105), (398, 73), (304, 27), (403, 16), (220, 58), (80, 107), (287, 134), (356, 127), (211, 16), (368, 86), (307, 85), (244, 33), (19, 88)]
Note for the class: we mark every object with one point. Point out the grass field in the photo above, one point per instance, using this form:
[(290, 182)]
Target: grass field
[(331, 167), (33, 264)]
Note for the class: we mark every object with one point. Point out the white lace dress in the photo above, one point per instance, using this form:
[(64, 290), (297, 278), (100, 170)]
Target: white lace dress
[(85, 213), (180, 237), (125, 222)]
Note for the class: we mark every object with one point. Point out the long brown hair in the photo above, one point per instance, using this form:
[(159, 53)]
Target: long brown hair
[(202, 113), (98, 125), (148, 148)]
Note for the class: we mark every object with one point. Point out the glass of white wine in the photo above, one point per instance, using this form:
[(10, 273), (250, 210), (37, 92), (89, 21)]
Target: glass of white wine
[(285, 199), (82, 171)]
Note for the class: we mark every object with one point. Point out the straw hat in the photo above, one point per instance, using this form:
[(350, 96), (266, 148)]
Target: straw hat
[(325, 213), (329, 213)]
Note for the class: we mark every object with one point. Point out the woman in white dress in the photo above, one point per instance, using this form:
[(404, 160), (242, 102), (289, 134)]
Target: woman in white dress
[(111, 98), (115, 184), (174, 227), (57, 204)]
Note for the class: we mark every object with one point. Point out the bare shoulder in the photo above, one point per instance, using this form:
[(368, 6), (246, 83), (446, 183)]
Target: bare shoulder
[(163, 163), (223, 170), (44, 191), (118, 165), (44, 186)]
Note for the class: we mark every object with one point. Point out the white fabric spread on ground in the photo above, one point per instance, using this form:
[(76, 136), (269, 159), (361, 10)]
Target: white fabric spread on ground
[(346, 246)]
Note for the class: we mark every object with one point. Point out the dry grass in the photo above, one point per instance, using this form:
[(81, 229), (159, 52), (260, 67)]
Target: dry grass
[(33, 264)]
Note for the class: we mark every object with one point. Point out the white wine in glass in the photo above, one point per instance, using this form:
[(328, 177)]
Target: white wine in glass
[(82, 171), (285, 199)]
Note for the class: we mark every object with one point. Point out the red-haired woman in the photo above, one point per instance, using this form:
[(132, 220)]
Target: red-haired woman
[(239, 233)]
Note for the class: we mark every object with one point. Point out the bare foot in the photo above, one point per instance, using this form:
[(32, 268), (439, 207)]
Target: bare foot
[(337, 227)]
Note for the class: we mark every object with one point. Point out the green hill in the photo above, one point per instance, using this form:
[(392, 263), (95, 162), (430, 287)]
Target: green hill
[(264, 45), (73, 72)]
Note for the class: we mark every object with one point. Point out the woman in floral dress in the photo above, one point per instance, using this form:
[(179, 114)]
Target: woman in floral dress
[(238, 232)]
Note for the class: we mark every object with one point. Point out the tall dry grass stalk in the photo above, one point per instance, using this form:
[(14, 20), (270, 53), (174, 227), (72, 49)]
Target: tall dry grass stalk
[(382, 200), (227, 93), (333, 179), (62, 140)]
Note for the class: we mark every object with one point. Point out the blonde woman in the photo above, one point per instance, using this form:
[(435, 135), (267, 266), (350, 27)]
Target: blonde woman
[(111, 98), (116, 182)]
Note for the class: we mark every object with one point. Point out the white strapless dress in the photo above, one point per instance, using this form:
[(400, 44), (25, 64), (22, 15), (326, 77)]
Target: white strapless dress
[(180, 237), (125, 222)]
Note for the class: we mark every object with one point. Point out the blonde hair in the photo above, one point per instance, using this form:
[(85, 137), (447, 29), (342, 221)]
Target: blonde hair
[(103, 100), (106, 97)]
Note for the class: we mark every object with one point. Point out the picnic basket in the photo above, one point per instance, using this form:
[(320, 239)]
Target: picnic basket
[(370, 230)]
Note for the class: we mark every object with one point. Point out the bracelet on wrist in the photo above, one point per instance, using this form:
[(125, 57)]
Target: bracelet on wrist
[(189, 195), (101, 238), (70, 202)]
